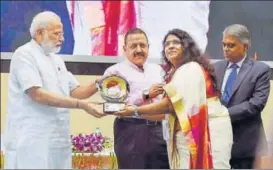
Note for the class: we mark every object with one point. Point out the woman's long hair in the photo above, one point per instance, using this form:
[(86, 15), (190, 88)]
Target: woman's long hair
[(190, 53)]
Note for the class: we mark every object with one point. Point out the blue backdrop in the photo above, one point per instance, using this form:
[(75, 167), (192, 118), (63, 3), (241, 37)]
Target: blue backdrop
[(16, 17)]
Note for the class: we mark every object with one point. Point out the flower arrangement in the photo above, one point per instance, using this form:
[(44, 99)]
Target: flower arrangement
[(87, 151), (91, 143)]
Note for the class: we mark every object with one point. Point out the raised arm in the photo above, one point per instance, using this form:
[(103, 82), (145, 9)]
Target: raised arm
[(26, 72), (45, 97), (84, 91), (158, 108)]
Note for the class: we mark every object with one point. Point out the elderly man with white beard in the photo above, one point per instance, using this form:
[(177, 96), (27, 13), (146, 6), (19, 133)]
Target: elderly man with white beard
[(40, 93)]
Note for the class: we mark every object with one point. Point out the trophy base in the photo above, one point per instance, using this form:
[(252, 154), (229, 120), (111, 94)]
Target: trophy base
[(111, 108)]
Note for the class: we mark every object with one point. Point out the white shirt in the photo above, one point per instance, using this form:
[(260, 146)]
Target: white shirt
[(229, 70), (139, 80), (27, 121)]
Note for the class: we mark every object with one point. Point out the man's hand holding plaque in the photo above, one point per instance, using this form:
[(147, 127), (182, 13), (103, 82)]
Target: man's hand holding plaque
[(91, 108), (114, 90)]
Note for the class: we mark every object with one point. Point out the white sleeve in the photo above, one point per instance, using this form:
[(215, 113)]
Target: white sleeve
[(26, 71), (73, 82), (111, 70)]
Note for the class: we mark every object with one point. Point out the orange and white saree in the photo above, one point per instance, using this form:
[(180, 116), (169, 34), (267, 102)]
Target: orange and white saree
[(205, 138)]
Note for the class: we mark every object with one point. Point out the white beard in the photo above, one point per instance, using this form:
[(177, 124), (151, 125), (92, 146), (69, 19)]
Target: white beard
[(49, 46)]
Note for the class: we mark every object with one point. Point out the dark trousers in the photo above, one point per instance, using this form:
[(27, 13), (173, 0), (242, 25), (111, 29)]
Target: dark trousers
[(139, 144), (242, 163)]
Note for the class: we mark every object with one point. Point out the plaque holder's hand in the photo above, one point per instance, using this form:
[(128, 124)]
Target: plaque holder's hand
[(127, 111), (156, 90), (93, 108)]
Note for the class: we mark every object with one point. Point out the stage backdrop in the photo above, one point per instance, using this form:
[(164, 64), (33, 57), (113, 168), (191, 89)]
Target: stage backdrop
[(256, 15), (97, 28)]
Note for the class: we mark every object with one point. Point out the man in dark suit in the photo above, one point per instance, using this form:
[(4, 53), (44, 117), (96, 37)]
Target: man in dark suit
[(245, 86)]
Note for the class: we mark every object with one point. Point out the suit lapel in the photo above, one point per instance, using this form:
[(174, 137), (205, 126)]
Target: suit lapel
[(221, 73), (246, 67)]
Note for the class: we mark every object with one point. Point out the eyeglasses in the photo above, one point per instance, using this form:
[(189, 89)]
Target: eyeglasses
[(174, 42), (229, 45), (56, 33)]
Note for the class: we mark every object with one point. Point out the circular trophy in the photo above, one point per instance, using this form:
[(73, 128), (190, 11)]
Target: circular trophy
[(114, 90)]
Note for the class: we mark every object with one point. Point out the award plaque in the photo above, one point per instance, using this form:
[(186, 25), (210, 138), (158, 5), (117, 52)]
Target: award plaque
[(114, 90)]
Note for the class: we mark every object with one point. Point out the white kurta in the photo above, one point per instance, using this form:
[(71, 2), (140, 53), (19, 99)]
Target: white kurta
[(37, 136)]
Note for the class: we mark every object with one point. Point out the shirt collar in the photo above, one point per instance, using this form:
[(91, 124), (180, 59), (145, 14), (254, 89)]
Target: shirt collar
[(136, 67), (239, 64), (38, 46)]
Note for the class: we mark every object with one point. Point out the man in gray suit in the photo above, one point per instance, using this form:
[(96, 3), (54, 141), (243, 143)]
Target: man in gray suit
[(245, 86)]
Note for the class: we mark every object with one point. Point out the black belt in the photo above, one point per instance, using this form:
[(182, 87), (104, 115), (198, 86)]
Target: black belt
[(141, 121)]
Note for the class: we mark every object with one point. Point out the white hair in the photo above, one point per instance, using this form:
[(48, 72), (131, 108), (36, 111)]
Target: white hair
[(239, 31), (41, 20)]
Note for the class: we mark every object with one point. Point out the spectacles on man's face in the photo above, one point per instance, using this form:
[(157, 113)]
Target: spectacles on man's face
[(56, 33), (174, 42), (228, 45)]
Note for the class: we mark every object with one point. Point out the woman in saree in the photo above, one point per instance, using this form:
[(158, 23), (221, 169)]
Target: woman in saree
[(200, 131)]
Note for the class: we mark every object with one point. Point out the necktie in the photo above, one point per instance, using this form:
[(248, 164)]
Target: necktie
[(230, 81)]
